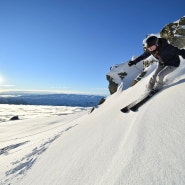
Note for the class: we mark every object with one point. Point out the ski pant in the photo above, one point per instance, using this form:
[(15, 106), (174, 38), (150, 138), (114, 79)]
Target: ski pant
[(156, 82)]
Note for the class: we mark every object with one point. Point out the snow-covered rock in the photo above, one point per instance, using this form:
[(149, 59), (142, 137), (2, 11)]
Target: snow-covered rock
[(122, 73)]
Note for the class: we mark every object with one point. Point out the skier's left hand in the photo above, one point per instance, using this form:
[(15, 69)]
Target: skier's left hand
[(131, 62)]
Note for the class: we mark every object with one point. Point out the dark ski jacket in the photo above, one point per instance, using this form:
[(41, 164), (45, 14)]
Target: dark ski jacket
[(166, 54)]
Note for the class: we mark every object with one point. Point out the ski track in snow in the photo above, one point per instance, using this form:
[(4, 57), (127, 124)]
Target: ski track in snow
[(20, 166)]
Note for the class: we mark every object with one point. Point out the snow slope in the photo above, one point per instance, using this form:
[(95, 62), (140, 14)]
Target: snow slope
[(105, 147)]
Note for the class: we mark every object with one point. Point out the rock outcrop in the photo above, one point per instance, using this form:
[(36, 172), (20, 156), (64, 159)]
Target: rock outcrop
[(122, 73), (175, 33), (14, 118)]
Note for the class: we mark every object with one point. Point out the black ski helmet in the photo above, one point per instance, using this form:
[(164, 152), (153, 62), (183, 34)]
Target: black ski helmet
[(150, 41)]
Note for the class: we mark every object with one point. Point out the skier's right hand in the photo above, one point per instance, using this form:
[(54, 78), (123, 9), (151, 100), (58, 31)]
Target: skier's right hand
[(131, 62)]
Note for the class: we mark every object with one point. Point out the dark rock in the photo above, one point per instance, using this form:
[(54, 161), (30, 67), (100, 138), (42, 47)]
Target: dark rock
[(175, 33), (14, 118), (112, 85), (102, 101)]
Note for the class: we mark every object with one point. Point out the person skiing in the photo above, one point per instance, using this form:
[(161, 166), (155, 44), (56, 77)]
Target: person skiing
[(167, 56)]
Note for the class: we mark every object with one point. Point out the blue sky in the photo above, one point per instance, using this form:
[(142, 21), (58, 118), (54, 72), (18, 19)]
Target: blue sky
[(69, 45)]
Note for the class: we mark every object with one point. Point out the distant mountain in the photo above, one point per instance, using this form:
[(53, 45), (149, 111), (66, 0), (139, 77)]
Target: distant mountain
[(51, 99)]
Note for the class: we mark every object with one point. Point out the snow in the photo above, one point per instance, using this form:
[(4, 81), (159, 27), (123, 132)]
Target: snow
[(7, 111), (132, 73), (105, 147)]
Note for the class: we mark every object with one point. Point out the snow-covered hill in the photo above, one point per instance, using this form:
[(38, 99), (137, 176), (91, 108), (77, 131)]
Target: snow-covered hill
[(105, 147)]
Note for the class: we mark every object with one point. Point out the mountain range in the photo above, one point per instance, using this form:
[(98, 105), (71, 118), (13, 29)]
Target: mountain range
[(50, 99)]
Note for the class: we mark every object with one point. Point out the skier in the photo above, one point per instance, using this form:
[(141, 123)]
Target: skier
[(167, 56)]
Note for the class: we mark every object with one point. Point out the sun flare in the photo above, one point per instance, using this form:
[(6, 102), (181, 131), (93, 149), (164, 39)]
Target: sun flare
[(1, 79)]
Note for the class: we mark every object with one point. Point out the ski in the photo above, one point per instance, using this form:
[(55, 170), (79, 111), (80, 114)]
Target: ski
[(134, 106)]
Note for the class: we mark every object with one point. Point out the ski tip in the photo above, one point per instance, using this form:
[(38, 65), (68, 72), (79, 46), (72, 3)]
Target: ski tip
[(124, 110)]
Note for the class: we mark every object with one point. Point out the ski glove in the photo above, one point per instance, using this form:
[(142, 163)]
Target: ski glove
[(130, 63)]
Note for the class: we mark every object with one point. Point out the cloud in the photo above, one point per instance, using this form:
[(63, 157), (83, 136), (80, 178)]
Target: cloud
[(7, 85)]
